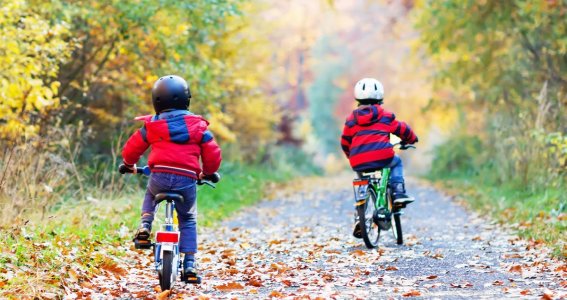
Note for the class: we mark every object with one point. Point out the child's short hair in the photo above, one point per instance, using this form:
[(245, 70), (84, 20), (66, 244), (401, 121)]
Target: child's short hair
[(370, 101)]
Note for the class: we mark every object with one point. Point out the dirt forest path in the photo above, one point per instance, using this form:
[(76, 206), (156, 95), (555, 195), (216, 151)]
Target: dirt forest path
[(299, 245)]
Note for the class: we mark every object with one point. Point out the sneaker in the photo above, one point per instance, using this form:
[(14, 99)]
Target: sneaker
[(357, 233), (189, 270), (143, 232), (399, 194)]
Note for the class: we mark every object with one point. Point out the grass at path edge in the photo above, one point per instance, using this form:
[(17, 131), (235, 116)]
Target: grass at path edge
[(76, 242)]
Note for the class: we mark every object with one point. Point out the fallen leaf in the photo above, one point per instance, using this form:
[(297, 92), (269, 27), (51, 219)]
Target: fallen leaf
[(254, 282), (163, 295), (73, 277), (432, 276), (516, 268), (525, 292), (276, 294), (114, 268), (413, 293), (358, 252), (87, 285), (546, 296), (391, 268), (229, 286)]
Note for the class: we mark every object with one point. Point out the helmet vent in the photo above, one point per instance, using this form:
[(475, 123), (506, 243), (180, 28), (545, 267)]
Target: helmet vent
[(364, 86), (375, 87)]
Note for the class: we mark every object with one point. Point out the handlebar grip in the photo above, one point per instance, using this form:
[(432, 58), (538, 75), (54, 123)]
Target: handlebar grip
[(214, 178), (123, 169)]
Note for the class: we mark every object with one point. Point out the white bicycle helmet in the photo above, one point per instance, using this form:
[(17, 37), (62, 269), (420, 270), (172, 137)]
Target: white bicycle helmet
[(368, 91)]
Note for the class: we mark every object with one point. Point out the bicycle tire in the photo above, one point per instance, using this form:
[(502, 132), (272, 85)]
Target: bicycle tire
[(398, 228), (166, 278), (366, 221), (396, 218)]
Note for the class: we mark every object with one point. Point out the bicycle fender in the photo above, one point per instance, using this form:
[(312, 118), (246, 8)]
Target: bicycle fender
[(361, 194), (167, 247)]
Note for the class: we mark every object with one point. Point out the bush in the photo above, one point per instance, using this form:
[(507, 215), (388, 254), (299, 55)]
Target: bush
[(458, 156)]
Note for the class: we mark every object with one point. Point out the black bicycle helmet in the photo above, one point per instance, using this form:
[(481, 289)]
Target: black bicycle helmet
[(170, 92)]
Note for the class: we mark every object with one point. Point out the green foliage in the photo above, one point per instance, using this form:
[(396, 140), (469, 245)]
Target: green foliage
[(504, 63), (459, 154)]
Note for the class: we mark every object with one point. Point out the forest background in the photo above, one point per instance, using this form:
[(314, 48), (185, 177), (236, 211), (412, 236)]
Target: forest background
[(482, 83)]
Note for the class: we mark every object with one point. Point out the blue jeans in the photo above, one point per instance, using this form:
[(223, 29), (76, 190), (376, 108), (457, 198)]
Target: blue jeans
[(396, 170), (186, 210)]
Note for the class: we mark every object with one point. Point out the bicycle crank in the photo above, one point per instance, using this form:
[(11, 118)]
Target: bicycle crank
[(383, 218)]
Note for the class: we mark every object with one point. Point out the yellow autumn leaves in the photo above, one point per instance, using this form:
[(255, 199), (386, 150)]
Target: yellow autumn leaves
[(31, 50)]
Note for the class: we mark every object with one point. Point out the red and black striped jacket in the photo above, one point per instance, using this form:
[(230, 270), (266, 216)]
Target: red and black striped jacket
[(178, 142), (366, 137)]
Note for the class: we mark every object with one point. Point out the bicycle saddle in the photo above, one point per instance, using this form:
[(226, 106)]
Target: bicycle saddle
[(168, 196)]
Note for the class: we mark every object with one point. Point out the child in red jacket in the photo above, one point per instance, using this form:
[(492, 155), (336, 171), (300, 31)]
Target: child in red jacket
[(366, 137), (178, 139)]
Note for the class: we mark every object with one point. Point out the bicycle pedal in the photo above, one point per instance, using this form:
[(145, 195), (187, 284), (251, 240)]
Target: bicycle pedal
[(193, 279), (142, 244)]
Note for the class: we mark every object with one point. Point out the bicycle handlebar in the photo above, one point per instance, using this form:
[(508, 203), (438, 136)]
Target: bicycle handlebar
[(208, 179), (123, 169), (404, 146)]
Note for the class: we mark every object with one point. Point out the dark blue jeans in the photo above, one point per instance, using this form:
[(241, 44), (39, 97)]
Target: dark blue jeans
[(396, 170), (186, 210)]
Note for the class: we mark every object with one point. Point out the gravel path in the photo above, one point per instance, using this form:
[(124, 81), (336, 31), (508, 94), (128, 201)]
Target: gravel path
[(300, 245)]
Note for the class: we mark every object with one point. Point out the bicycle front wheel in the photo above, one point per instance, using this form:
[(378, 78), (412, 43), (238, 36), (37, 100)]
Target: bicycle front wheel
[(370, 231), (166, 277)]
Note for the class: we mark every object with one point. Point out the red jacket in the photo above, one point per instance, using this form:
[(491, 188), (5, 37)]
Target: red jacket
[(177, 143), (366, 137)]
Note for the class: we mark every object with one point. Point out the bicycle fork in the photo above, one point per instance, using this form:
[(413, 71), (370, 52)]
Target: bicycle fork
[(167, 240)]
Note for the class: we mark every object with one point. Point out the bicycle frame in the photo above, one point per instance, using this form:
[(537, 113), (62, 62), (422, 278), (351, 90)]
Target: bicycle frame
[(379, 184), (382, 188)]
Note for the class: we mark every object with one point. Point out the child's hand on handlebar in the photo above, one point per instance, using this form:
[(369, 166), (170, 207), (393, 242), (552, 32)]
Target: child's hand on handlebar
[(132, 168)]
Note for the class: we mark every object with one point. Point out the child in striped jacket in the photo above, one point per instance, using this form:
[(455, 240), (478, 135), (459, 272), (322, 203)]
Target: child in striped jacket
[(366, 137)]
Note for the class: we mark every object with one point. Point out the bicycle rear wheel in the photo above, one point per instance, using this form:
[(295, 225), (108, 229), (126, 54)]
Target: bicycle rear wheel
[(370, 231), (396, 214), (166, 278)]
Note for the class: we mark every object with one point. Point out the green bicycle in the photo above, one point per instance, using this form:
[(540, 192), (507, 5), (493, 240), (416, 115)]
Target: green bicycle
[(375, 211)]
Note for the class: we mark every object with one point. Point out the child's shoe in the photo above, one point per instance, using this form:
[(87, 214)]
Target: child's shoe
[(143, 232), (357, 233), (189, 274), (399, 194)]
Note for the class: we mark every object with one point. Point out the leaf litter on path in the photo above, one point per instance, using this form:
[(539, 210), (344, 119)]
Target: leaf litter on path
[(300, 246)]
